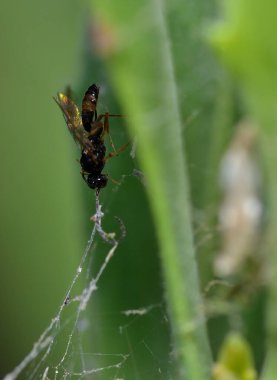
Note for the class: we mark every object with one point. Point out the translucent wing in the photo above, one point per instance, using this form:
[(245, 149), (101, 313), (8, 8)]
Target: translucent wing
[(73, 120)]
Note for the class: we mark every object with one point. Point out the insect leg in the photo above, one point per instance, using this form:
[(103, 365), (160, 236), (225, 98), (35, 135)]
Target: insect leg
[(106, 128), (116, 152), (96, 127), (83, 175)]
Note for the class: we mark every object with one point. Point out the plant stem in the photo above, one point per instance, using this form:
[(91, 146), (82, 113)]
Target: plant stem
[(141, 67)]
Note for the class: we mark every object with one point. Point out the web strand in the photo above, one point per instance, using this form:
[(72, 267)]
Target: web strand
[(49, 337)]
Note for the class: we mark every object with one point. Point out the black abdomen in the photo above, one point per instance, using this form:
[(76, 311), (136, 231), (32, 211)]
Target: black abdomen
[(89, 103)]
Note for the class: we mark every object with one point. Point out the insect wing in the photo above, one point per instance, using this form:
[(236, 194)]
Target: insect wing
[(73, 120)]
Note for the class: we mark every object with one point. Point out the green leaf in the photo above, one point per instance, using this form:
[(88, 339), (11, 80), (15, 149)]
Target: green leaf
[(138, 55)]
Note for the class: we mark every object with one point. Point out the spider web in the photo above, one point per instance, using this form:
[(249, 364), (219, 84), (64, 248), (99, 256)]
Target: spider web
[(59, 353)]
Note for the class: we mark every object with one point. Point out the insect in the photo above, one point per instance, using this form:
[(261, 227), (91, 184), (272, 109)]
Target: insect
[(89, 131)]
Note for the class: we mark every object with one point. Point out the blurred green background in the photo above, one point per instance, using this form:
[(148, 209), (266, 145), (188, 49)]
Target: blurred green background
[(45, 205), (41, 230)]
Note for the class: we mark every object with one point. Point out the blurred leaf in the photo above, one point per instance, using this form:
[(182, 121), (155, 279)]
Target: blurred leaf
[(137, 51), (235, 360), (245, 41)]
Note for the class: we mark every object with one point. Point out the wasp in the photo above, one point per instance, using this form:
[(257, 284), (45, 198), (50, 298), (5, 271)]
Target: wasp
[(89, 131)]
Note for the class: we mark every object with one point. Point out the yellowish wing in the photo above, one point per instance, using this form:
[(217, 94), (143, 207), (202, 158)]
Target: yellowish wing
[(73, 120)]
